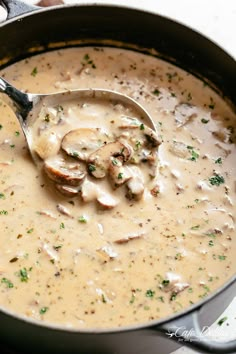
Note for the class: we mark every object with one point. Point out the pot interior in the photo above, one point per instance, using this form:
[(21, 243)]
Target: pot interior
[(97, 24)]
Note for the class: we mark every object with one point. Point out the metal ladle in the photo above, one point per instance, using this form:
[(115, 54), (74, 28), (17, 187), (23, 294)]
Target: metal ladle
[(28, 105)]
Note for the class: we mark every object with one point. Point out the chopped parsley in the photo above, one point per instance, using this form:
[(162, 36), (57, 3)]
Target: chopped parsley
[(222, 257), (62, 225), (47, 118), (30, 231), (219, 160), (131, 301), (142, 127), (165, 282), (8, 283), (43, 310), (82, 219), (194, 154), (17, 133), (195, 227), (75, 154), (173, 296), (59, 108), (120, 175), (222, 320), (211, 243), (88, 61), (1, 126), (204, 121), (91, 167), (216, 180), (3, 212), (2, 196), (24, 277), (57, 247), (104, 299), (150, 293), (156, 92), (34, 72), (137, 145), (114, 162)]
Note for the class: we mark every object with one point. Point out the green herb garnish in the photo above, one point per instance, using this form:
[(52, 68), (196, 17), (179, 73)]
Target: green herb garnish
[(216, 180), (204, 121), (222, 320), (142, 127), (82, 219), (34, 72), (43, 310), (8, 283), (3, 212), (91, 167), (165, 282), (24, 277), (150, 293), (219, 161), (222, 257)]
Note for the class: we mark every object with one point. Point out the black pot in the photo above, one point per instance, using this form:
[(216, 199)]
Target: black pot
[(30, 30)]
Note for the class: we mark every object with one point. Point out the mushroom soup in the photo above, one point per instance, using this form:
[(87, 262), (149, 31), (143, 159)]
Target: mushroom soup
[(117, 224)]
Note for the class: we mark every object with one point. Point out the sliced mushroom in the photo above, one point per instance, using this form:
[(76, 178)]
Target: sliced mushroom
[(107, 201), (80, 143), (223, 135), (106, 253), (173, 283), (68, 191), (47, 145), (153, 139), (185, 113), (64, 210), (47, 213), (128, 238), (179, 149), (89, 191), (63, 172), (129, 123), (118, 173), (136, 184), (98, 162)]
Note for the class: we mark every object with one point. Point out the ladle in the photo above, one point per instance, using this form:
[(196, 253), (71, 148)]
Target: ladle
[(28, 105)]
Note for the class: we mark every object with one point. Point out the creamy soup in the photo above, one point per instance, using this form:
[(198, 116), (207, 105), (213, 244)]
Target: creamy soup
[(117, 224)]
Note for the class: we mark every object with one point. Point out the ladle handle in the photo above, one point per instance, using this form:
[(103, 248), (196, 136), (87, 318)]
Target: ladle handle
[(22, 101)]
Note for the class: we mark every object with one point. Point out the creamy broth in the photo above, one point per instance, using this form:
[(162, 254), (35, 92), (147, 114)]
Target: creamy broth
[(73, 261)]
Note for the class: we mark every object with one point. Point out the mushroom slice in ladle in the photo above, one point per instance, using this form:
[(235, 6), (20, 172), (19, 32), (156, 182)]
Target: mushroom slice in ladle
[(107, 201), (81, 142), (135, 185), (118, 173), (132, 124), (68, 191), (98, 162), (63, 172), (90, 191)]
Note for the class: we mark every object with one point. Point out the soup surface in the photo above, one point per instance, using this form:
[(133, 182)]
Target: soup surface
[(68, 258)]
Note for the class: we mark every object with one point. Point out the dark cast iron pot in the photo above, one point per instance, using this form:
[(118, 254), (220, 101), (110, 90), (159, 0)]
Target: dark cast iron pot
[(30, 30)]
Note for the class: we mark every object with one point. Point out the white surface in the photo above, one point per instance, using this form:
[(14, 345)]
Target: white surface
[(217, 20)]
